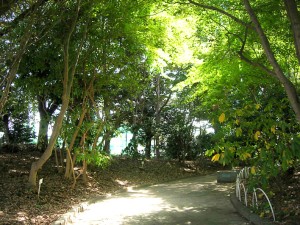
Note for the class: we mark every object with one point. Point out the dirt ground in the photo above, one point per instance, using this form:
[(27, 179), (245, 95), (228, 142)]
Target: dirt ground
[(20, 205)]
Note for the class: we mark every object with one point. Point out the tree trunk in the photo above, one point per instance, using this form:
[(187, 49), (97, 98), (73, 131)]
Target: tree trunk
[(97, 136), (148, 145), (7, 134), (14, 69), (106, 147), (67, 85), (293, 14), (45, 117), (287, 84), (157, 117), (69, 168), (43, 132)]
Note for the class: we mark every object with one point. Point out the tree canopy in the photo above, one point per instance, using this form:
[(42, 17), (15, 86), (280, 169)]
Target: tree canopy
[(157, 69)]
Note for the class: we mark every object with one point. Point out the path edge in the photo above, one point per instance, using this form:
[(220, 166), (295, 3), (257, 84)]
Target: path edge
[(246, 212), (69, 216)]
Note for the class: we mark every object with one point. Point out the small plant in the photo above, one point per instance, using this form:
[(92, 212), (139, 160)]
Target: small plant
[(131, 151), (99, 159)]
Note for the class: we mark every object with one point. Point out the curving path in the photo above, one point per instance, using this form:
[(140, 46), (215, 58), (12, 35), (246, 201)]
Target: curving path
[(197, 200)]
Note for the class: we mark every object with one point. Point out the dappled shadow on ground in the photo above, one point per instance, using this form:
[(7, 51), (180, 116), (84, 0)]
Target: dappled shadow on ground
[(182, 202), (19, 205)]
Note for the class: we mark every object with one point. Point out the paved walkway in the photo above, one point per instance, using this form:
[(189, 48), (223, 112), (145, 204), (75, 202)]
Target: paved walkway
[(197, 200)]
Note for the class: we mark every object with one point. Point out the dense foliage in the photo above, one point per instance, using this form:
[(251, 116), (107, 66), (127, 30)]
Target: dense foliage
[(154, 68)]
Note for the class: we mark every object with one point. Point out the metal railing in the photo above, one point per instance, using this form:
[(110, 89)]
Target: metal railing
[(242, 176)]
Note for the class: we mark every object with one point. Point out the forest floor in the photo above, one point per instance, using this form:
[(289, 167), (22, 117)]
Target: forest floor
[(19, 205)]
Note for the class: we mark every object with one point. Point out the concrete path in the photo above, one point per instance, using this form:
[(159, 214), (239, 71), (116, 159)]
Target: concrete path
[(198, 200)]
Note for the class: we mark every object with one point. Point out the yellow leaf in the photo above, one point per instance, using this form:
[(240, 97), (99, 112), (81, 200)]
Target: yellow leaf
[(253, 171), (262, 214), (222, 118), (273, 129), (245, 155), (257, 106), (215, 158), (238, 132), (256, 135), (268, 146)]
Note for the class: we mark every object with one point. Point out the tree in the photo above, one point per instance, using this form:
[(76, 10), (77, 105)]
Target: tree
[(40, 68), (68, 76), (16, 120), (269, 45), (20, 21)]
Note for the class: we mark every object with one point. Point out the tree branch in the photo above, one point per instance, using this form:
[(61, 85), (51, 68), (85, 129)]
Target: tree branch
[(255, 64), (26, 14), (165, 103), (234, 18), (288, 85)]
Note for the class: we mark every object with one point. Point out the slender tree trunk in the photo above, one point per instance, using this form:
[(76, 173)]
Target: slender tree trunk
[(45, 116), (157, 117), (99, 131), (69, 168), (14, 69), (294, 17), (43, 132), (148, 145), (7, 134), (287, 84), (67, 85), (106, 147), (84, 162)]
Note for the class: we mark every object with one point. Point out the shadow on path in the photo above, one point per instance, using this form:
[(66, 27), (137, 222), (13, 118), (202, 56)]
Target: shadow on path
[(198, 200)]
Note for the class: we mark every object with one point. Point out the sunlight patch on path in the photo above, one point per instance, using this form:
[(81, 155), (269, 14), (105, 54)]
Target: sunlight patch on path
[(114, 210)]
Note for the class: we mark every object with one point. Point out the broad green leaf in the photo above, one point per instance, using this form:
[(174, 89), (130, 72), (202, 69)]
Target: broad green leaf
[(238, 132), (239, 112), (237, 122), (232, 149)]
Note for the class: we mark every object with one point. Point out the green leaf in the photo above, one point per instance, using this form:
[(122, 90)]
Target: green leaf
[(238, 132)]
